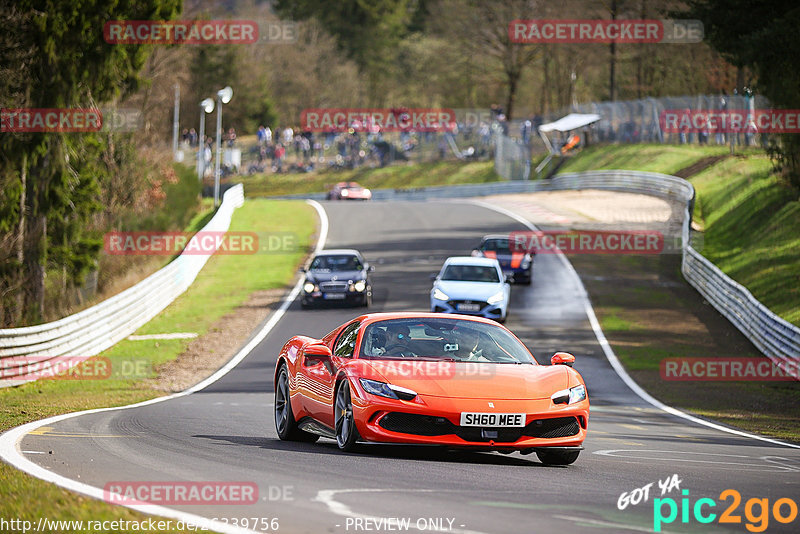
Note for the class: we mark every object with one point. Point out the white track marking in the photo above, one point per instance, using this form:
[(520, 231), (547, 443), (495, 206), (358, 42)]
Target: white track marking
[(10, 440), (731, 464), (612, 358), (327, 497)]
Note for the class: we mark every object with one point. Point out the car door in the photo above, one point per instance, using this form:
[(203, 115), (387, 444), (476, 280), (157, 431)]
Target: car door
[(322, 377)]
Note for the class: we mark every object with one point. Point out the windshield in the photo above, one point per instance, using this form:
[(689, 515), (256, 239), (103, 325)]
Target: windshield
[(471, 273), (445, 339), (497, 245), (336, 263)]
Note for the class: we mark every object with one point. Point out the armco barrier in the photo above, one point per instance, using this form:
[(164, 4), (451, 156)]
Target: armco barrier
[(775, 337), (95, 329)]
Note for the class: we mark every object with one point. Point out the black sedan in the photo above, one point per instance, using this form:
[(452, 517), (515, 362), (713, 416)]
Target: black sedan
[(337, 276)]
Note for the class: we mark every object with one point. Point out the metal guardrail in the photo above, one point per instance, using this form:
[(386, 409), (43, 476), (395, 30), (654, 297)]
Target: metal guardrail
[(95, 329)]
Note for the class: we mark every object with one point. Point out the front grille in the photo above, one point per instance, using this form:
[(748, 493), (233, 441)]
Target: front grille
[(426, 425), (333, 286), (421, 425), (558, 427)]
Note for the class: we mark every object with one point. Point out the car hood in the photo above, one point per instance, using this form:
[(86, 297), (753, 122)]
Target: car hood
[(470, 380), (469, 290), (344, 276)]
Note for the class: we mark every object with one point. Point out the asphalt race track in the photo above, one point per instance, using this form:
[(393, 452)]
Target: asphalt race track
[(226, 431)]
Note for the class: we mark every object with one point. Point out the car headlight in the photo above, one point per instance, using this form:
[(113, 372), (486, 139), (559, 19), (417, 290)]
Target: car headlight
[(309, 287), (569, 396), (382, 389), (438, 294), (497, 297), (360, 286)]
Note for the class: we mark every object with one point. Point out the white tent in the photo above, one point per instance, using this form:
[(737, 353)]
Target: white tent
[(573, 121)]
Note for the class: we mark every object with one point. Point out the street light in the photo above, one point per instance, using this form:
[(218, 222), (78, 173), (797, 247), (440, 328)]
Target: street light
[(206, 106), (223, 97)]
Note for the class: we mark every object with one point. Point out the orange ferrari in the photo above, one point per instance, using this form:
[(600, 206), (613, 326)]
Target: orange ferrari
[(455, 380)]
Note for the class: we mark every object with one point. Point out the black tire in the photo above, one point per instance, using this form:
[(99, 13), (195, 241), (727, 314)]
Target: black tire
[(285, 424), (346, 431), (557, 457)]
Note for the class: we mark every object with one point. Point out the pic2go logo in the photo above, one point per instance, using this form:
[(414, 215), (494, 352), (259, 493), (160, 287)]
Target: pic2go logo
[(756, 511)]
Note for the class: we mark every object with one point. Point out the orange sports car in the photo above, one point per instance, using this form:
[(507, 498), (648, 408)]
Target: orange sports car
[(454, 380)]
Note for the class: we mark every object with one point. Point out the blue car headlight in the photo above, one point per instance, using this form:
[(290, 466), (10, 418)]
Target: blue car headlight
[(497, 297), (438, 294), (382, 389), (569, 396)]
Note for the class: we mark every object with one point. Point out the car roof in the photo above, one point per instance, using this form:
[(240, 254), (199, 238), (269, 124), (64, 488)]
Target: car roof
[(383, 316), (494, 236), (471, 260), (338, 251)]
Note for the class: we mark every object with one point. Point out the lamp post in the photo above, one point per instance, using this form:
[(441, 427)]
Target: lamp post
[(206, 106), (223, 97)]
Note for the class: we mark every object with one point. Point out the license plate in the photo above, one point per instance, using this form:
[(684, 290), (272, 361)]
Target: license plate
[(334, 296), (468, 307), (492, 419)]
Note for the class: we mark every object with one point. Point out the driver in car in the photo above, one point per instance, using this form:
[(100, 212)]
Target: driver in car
[(470, 346), (397, 341)]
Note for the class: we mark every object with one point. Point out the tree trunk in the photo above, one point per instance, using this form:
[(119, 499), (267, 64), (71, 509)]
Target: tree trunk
[(20, 244), (513, 79), (612, 92)]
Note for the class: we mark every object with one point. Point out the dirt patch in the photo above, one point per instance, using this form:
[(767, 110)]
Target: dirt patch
[(209, 352), (700, 166)]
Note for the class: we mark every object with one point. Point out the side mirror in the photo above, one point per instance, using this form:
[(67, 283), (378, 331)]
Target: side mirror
[(301, 270), (319, 350), (316, 354), (562, 358), (370, 269), (434, 277)]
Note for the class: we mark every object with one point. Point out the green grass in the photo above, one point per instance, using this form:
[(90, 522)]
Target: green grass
[(392, 177), (218, 290), (667, 159), (752, 230)]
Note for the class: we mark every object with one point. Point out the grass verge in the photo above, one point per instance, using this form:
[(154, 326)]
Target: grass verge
[(218, 290), (668, 159), (648, 311), (395, 176)]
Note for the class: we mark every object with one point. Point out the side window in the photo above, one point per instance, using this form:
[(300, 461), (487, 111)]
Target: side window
[(346, 343)]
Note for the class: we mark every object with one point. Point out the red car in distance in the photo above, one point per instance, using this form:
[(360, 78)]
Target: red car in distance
[(349, 191)]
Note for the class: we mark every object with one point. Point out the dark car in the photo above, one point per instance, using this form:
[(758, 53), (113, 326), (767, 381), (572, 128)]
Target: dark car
[(517, 264), (349, 191), (340, 275)]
